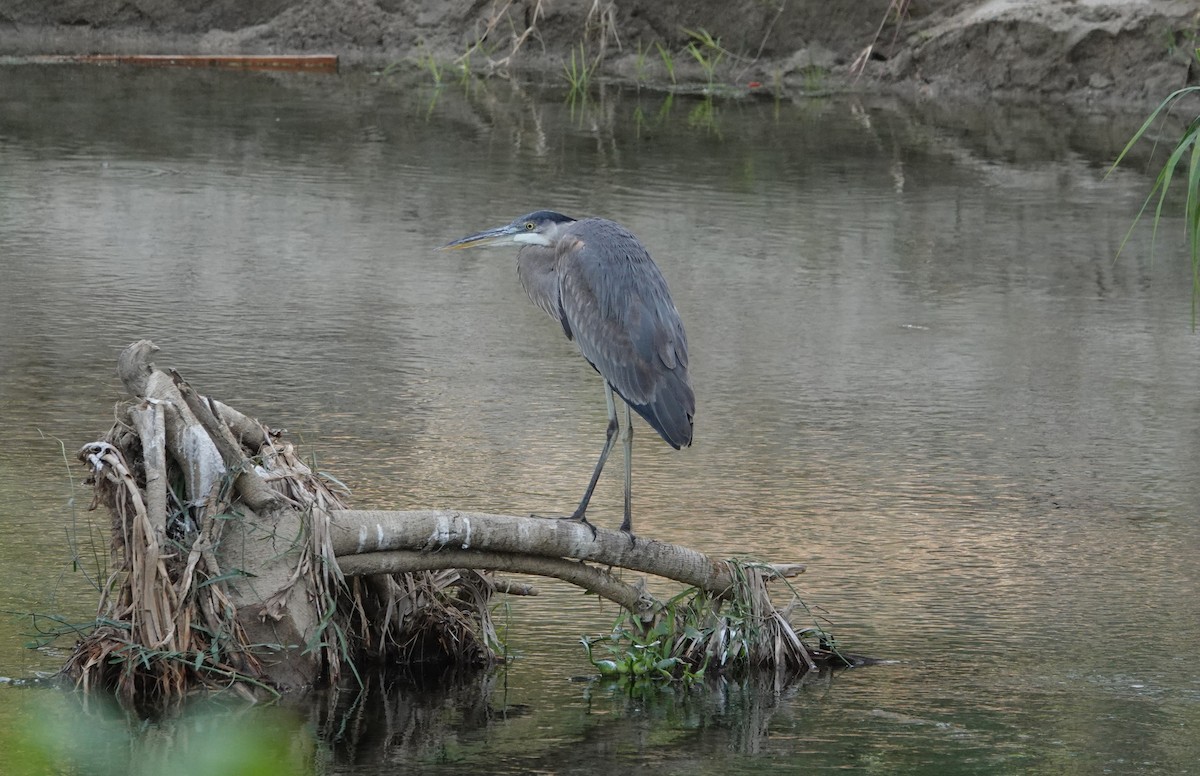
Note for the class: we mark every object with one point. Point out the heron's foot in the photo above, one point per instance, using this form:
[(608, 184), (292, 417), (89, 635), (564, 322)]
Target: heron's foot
[(580, 517), (627, 529)]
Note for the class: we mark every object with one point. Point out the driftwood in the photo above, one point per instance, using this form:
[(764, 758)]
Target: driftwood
[(238, 565), (372, 542)]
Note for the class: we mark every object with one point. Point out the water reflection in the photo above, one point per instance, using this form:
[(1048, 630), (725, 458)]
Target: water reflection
[(919, 370), (452, 724)]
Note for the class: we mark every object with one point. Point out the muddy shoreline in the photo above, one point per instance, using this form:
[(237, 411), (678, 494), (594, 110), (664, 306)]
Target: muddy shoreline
[(1087, 52)]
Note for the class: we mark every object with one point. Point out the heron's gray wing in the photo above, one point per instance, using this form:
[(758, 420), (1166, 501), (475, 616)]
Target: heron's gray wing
[(616, 306)]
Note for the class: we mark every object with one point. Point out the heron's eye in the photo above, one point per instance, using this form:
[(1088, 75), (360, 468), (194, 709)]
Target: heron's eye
[(529, 226)]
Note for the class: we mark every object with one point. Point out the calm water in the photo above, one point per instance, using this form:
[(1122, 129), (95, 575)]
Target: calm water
[(919, 370)]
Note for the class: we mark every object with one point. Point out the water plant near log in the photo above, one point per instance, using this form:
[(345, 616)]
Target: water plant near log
[(578, 73), (668, 61), (707, 51), (729, 633), (1188, 145)]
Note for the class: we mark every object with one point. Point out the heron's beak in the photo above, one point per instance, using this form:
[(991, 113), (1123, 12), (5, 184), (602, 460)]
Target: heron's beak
[(501, 235)]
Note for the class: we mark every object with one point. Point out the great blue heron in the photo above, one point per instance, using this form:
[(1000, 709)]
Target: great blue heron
[(599, 282)]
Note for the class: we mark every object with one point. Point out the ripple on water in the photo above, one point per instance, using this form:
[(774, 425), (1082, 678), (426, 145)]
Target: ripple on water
[(924, 377)]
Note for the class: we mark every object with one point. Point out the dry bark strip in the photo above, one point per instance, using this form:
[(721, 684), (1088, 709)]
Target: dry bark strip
[(267, 543)]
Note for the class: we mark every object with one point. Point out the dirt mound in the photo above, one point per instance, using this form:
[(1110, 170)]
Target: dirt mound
[(1090, 50), (1078, 49)]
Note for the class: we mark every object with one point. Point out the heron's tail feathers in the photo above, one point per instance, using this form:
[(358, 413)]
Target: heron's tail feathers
[(671, 411)]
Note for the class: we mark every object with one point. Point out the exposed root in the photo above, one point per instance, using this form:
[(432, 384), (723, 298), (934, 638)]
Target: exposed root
[(171, 619), (158, 632)]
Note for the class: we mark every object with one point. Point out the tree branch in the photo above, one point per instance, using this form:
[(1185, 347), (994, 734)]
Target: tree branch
[(590, 578), (432, 533), (253, 490)]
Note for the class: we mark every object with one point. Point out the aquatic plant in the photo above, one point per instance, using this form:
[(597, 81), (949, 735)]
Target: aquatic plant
[(389, 69), (464, 69), (667, 60), (578, 72), (704, 116), (1188, 145), (430, 64), (814, 78), (698, 632), (1186, 37), (639, 121), (664, 110), (707, 52), (639, 64)]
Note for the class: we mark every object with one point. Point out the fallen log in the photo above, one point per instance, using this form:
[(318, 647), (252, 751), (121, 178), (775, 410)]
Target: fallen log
[(238, 565), (318, 63), (372, 542)]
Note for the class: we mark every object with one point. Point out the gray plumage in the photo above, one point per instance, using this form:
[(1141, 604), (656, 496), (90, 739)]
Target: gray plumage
[(599, 283), (609, 296)]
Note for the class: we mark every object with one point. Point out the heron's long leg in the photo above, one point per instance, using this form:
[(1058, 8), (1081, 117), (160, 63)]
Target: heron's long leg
[(627, 523), (581, 510)]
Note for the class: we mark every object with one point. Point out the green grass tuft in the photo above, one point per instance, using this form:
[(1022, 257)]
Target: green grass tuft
[(698, 633), (667, 60), (1188, 146), (707, 51), (578, 72)]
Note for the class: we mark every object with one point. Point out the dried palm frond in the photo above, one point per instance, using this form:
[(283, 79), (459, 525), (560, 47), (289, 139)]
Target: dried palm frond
[(167, 620)]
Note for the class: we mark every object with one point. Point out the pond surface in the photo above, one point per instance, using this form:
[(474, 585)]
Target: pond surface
[(919, 369)]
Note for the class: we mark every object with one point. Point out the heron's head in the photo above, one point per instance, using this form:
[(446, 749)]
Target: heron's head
[(538, 228)]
